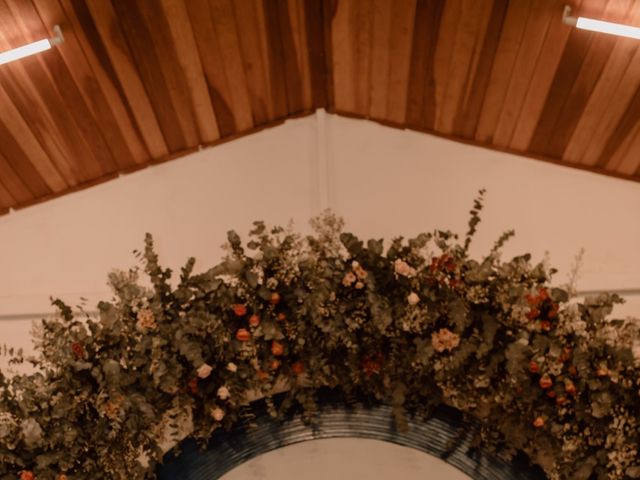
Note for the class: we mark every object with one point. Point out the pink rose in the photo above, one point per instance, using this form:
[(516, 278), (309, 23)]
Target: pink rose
[(217, 414), (413, 298), (204, 370), (444, 339), (403, 268)]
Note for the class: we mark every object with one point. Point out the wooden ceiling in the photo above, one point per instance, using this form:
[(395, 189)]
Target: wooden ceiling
[(143, 81)]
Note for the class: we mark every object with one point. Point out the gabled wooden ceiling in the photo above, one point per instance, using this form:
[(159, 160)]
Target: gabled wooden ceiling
[(143, 81)]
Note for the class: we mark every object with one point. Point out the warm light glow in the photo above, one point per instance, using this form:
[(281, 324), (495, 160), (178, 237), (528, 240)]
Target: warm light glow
[(600, 25), (32, 48), (25, 51), (608, 27)]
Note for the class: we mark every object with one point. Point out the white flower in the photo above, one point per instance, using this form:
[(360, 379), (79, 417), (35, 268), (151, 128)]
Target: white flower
[(360, 272), (403, 268), (444, 339), (232, 367), (413, 298), (204, 370), (217, 414), (31, 431), (223, 393), (146, 320)]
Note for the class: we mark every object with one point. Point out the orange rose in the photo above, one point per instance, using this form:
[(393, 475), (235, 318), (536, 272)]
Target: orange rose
[(277, 348), (297, 368), (561, 400), (570, 387), (193, 385), (275, 298), (533, 314), (243, 335), (262, 375), (78, 350), (254, 320), (533, 367), (275, 364), (538, 422), (27, 475), (239, 310), (545, 382), (282, 317), (545, 325)]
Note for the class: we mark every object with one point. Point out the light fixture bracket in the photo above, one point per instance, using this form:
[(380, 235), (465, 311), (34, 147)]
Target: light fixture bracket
[(567, 18)]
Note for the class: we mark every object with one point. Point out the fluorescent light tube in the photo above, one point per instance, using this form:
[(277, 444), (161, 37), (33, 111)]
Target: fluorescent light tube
[(600, 25), (32, 48)]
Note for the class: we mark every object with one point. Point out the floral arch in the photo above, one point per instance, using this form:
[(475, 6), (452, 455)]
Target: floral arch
[(414, 325)]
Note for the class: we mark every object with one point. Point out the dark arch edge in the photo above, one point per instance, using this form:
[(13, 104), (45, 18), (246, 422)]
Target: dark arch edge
[(444, 435)]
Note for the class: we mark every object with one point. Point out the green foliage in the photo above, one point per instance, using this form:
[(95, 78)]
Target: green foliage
[(408, 327)]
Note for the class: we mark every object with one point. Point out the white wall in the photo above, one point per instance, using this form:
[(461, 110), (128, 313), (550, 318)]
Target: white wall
[(384, 181), (345, 459)]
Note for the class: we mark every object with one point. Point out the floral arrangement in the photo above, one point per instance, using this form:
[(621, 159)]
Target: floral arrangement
[(414, 324)]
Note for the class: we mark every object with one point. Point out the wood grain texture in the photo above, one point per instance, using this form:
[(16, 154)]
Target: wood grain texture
[(137, 82), (502, 68)]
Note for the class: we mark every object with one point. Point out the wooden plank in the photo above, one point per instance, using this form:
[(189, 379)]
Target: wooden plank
[(101, 76), (568, 70), (211, 59), (329, 8), (291, 65), (606, 135), (86, 146), (530, 49), (503, 65), (623, 130), (103, 121), (485, 14), (31, 91), (226, 30), (361, 43), (15, 187), (297, 20), (422, 47), (380, 58), (449, 20), (583, 85), (468, 41), (600, 102), (186, 49), (119, 57), (168, 59), (37, 136), (626, 159), (276, 61), (6, 200), (343, 59), (255, 67), (466, 122), (157, 83), (401, 36), (606, 109), (552, 50), (314, 20), (20, 163)]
